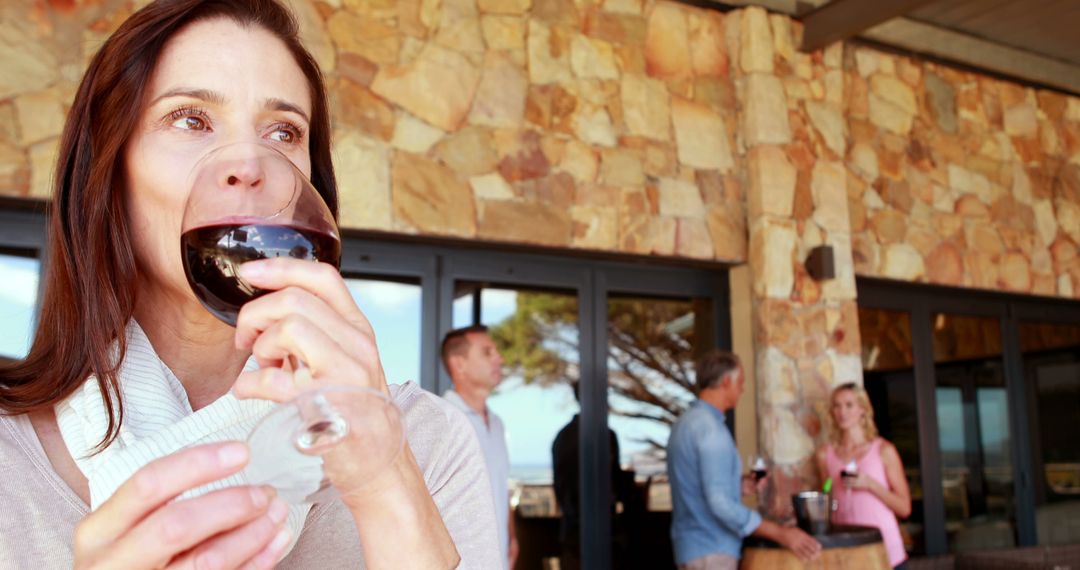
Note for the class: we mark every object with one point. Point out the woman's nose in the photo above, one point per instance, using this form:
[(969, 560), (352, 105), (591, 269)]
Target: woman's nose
[(242, 173)]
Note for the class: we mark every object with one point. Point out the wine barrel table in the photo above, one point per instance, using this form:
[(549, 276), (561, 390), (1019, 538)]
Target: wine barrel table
[(844, 547)]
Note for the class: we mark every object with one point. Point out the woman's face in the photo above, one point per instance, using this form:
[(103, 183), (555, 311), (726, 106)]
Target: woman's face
[(215, 83), (846, 411)]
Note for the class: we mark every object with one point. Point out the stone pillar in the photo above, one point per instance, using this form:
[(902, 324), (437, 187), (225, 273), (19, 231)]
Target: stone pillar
[(806, 336)]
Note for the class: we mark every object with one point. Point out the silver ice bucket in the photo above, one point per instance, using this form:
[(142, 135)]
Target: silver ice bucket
[(813, 511)]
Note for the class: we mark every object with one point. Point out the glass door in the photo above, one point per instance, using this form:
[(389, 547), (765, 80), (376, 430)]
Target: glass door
[(536, 332), (889, 378), (1051, 357), (588, 485), (652, 346), (997, 384), (973, 433)]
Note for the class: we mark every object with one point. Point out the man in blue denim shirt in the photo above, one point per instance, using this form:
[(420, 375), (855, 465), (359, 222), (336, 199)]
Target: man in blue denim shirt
[(709, 520)]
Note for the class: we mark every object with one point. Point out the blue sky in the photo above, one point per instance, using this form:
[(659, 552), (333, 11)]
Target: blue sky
[(394, 312)]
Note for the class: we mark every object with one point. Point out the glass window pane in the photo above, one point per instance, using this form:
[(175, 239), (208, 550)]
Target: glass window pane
[(652, 346), (1051, 354), (18, 298), (537, 335), (394, 311), (973, 428), (889, 379)]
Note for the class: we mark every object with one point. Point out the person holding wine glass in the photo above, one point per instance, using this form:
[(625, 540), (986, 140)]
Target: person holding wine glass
[(708, 518), (874, 490), (128, 360)]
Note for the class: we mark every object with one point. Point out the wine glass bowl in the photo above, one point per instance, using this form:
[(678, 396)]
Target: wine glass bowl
[(758, 466), (247, 202)]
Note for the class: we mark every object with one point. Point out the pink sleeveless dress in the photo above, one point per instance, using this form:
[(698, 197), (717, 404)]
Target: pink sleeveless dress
[(861, 507)]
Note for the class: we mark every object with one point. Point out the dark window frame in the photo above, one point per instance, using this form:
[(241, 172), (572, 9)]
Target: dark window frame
[(921, 302)]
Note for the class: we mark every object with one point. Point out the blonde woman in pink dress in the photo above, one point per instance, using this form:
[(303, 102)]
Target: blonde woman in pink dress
[(871, 490)]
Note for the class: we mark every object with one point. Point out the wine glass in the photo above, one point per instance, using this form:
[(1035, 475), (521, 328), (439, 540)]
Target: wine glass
[(248, 201), (757, 466)]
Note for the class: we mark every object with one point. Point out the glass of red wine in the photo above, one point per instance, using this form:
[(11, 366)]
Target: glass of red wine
[(758, 468), (247, 202)]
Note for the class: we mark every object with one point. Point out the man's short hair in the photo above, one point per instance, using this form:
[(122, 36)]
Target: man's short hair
[(456, 342), (713, 366)]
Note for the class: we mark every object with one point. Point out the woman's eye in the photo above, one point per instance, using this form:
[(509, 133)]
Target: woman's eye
[(285, 134), (190, 123)]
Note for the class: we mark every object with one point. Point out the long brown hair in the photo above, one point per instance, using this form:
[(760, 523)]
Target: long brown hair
[(90, 271)]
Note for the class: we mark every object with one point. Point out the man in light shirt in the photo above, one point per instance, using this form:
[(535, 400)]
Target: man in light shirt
[(709, 520), (475, 367)]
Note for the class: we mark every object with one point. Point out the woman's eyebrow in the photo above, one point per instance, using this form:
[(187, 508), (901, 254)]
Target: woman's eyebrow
[(217, 98), (283, 105), (202, 94)]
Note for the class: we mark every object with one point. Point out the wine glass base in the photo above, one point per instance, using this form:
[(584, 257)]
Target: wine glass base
[(324, 443)]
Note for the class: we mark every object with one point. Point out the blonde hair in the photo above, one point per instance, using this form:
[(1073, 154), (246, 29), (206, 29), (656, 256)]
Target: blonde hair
[(863, 399)]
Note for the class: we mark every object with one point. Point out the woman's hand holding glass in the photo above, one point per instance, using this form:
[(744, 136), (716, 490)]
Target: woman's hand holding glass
[(860, 481), (143, 526), (311, 317), (261, 251)]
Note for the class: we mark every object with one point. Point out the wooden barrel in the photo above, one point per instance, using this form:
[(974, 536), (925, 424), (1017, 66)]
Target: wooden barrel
[(844, 547)]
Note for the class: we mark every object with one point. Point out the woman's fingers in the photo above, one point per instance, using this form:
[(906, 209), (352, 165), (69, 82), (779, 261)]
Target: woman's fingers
[(299, 337), (258, 544), (260, 314), (182, 525), (321, 279), (270, 383), (154, 485)]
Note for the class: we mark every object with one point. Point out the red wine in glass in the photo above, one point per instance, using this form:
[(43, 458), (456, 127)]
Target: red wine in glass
[(849, 472), (758, 468), (213, 255)]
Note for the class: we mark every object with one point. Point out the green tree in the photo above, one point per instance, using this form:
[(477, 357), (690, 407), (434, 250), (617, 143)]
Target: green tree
[(650, 354)]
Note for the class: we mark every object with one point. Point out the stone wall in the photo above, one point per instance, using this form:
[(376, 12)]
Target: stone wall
[(626, 126), (960, 179), (547, 122)]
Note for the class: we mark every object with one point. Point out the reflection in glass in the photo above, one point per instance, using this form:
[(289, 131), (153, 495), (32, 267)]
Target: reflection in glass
[(973, 433), (1051, 354), (889, 379), (652, 345), (18, 297), (393, 308), (537, 335)]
